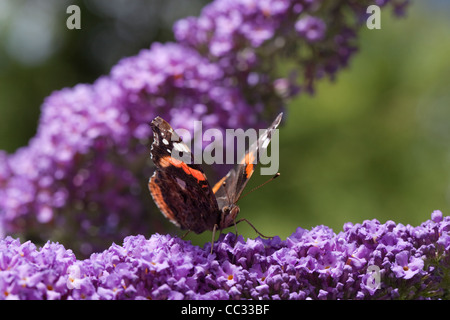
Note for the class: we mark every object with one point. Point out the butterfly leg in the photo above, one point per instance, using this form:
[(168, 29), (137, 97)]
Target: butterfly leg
[(185, 234), (243, 219), (213, 237), (235, 229)]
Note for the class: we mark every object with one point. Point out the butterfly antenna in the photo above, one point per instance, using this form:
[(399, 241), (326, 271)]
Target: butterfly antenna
[(264, 183)]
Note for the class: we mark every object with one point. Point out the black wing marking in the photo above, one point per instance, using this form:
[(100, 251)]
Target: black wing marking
[(166, 141)]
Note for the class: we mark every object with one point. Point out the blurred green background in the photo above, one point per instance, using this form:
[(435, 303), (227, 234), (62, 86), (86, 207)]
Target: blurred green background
[(374, 144)]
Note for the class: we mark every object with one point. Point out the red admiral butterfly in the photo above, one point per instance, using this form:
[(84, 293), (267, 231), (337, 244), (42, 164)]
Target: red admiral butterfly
[(181, 190)]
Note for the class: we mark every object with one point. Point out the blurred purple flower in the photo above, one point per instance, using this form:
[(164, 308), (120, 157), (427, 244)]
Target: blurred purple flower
[(311, 28)]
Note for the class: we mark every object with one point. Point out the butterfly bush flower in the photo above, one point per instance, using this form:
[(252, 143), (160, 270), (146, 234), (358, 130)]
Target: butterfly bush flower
[(410, 262), (312, 29), (81, 179), (29, 273)]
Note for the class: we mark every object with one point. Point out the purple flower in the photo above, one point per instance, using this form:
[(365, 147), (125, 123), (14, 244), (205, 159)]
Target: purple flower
[(314, 264), (436, 216), (405, 266), (311, 28), (30, 273)]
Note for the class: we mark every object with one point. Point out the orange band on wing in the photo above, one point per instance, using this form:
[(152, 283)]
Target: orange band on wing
[(219, 184), (248, 161), (249, 170), (158, 198), (168, 160)]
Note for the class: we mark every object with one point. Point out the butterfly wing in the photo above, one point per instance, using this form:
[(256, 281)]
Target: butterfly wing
[(230, 187), (180, 188)]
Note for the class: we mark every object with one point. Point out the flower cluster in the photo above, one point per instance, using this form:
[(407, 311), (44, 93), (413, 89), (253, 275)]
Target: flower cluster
[(82, 179), (30, 273), (409, 263)]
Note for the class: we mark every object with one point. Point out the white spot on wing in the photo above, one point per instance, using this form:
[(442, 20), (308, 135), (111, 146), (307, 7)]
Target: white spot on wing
[(181, 147), (165, 142), (264, 136), (265, 144)]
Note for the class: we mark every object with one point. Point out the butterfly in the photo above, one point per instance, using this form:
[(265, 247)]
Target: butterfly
[(181, 190)]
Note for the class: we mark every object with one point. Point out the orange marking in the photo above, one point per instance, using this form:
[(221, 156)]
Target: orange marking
[(249, 160), (158, 198), (175, 162), (218, 184), (195, 173), (249, 170), (166, 161)]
